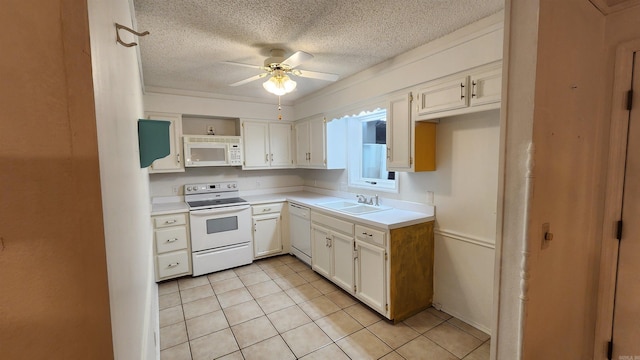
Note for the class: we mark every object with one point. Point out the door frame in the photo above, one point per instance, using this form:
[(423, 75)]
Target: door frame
[(622, 79)]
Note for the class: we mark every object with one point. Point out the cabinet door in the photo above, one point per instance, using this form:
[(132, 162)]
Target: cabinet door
[(444, 96), (302, 143), (342, 270), (321, 250), (267, 235), (486, 88), (173, 161), (317, 138), (280, 145), (371, 275), (255, 138), (399, 134)]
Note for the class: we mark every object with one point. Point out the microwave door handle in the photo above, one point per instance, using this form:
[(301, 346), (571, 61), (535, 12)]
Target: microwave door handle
[(223, 210)]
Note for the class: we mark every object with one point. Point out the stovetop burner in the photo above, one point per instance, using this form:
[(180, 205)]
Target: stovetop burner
[(213, 195)]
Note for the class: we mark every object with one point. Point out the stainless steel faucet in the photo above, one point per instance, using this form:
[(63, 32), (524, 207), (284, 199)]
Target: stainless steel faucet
[(361, 198)]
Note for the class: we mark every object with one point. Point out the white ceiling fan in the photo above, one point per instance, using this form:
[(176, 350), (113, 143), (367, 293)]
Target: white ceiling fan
[(279, 67)]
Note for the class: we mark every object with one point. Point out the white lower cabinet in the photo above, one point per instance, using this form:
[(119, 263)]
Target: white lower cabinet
[(267, 230), (391, 271), (172, 250), (332, 249), (321, 250), (343, 252), (371, 275)]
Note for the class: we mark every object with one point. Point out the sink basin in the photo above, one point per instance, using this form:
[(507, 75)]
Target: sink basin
[(352, 207), (361, 209), (336, 205)]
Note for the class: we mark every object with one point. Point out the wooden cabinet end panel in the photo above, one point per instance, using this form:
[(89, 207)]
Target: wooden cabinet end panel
[(411, 270)]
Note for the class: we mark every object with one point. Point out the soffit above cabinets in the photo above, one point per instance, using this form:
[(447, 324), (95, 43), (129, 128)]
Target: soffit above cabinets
[(190, 39)]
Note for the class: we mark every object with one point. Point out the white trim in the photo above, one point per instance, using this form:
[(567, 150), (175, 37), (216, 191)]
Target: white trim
[(613, 194), (465, 238), (150, 90)]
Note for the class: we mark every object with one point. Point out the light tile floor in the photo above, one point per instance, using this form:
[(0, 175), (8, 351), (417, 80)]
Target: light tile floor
[(278, 308)]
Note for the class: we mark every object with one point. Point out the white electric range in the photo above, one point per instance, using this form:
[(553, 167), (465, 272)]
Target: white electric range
[(220, 227)]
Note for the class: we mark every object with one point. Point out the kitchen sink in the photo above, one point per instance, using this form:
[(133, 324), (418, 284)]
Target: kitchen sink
[(352, 207), (338, 204)]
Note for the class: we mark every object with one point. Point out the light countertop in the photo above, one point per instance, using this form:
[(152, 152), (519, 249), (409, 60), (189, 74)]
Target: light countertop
[(388, 219)]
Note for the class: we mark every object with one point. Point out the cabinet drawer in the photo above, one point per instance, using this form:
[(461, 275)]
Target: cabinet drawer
[(171, 239), (332, 223), (173, 263), (169, 220), (370, 235), (266, 208)]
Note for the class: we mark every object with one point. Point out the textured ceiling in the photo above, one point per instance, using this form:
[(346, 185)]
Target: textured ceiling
[(190, 38)]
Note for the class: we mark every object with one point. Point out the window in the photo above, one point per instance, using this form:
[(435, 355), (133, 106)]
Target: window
[(367, 138)]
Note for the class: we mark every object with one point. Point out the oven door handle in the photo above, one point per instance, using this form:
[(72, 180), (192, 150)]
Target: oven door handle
[(217, 211)]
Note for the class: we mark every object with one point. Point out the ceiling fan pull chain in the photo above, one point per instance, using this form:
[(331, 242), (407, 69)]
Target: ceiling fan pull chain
[(279, 109)]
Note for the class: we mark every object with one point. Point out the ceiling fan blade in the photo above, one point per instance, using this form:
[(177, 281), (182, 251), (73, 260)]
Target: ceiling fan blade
[(245, 65), (245, 81), (316, 75), (297, 58)]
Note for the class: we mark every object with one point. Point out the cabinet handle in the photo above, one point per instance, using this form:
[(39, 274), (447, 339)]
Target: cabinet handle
[(266, 157), (271, 157), (388, 152), (267, 209), (173, 265), (473, 88), (461, 91), (178, 158), (172, 240), (170, 221)]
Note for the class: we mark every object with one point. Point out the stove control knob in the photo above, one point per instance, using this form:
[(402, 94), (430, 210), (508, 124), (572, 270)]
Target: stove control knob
[(228, 186), (188, 188), (234, 186)]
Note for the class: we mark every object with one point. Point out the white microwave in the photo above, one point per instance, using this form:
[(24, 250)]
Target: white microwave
[(212, 150)]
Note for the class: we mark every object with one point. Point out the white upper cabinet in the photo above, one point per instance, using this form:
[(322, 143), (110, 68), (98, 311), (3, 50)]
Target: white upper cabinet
[(486, 87), (321, 144), (399, 142), (469, 91), (267, 144), (411, 146), (280, 144), (172, 162), (441, 96)]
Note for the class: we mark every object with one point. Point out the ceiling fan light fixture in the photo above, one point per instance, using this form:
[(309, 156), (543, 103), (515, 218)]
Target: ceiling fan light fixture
[(279, 84)]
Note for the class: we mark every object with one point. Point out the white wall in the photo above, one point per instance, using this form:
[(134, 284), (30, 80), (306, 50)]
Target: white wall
[(125, 186), (162, 184), (465, 189)]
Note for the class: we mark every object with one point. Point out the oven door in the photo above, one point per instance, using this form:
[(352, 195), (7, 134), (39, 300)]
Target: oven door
[(214, 228)]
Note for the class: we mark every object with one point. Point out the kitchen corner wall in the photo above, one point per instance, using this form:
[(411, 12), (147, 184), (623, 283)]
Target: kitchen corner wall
[(464, 192)]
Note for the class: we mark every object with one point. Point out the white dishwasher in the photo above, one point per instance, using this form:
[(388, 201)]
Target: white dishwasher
[(300, 230)]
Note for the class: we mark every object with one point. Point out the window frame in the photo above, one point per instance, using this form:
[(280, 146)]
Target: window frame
[(354, 163)]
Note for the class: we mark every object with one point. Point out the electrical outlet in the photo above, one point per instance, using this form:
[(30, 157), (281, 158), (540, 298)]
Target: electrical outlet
[(211, 130), (175, 189), (429, 197)]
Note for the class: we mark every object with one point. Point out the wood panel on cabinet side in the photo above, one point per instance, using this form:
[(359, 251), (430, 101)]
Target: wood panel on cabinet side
[(411, 270)]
